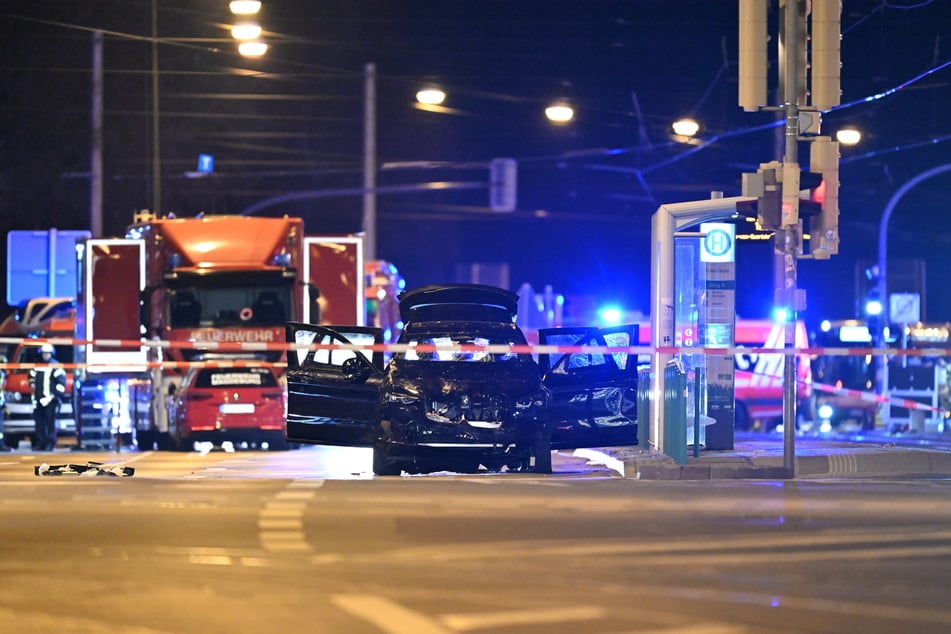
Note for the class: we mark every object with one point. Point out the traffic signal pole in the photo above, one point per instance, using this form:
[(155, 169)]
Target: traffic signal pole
[(788, 237), (780, 211)]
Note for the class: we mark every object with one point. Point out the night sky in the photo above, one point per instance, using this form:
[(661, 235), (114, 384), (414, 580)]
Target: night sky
[(293, 121)]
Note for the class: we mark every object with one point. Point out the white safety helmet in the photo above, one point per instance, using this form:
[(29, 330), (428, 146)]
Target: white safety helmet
[(47, 347)]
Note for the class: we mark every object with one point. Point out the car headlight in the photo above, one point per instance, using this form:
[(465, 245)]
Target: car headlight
[(401, 398), (825, 411)]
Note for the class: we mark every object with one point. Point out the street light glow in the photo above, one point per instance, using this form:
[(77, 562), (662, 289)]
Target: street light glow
[(252, 49), (686, 127), (560, 113), (246, 31), (431, 96), (245, 7), (848, 136)]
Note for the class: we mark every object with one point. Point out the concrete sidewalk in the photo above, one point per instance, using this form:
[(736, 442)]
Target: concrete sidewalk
[(764, 459)]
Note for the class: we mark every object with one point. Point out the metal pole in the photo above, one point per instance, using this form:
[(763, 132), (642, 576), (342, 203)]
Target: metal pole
[(95, 167), (883, 240), (369, 163), (793, 44), (881, 374), (156, 154)]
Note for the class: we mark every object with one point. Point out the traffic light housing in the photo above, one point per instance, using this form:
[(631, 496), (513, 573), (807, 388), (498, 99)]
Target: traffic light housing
[(872, 307), (503, 184), (824, 227), (766, 186)]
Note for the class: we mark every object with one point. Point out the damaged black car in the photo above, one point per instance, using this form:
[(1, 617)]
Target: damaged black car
[(461, 391)]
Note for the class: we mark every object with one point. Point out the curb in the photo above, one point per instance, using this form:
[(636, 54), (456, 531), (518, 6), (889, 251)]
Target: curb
[(858, 461)]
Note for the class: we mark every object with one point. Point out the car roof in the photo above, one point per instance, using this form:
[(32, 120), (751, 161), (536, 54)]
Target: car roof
[(458, 302)]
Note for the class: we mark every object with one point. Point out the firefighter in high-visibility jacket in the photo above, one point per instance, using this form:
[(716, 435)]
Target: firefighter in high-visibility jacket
[(49, 387)]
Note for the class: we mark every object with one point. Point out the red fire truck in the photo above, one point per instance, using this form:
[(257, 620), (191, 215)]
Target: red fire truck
[(190, 284)]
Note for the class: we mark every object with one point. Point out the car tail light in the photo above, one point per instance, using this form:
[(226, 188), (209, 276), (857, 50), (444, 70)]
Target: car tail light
[(272, 395)]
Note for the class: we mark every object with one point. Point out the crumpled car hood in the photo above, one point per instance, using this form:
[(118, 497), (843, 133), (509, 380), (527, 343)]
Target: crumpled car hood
[(515, 380)]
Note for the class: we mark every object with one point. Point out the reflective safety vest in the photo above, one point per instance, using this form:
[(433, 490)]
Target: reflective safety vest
[(48, 381)]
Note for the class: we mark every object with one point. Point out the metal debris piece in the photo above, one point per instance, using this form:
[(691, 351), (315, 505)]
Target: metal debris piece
[(85, 470)]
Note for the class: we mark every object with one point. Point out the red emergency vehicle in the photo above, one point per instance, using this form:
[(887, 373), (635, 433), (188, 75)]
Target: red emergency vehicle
[(758, 377), (192, 284)]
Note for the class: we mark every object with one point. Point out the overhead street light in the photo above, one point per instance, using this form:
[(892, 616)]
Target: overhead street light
[(848, 136), (245, 7), (686, 127), (560, 112), (431, 96), (252, 49), (246, 31)]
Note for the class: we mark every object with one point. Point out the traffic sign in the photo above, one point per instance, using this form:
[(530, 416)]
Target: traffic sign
[(904, 308), (41, 264)]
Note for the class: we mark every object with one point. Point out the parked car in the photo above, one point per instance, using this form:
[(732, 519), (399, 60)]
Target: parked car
[(236, 404), (457, 397)]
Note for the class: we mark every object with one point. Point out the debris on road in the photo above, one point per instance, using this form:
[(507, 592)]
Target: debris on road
[(88, 469)]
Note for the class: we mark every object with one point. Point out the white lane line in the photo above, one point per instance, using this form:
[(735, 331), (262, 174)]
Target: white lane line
[(703, 628), (487, 620), (386, 615), (281, 520)]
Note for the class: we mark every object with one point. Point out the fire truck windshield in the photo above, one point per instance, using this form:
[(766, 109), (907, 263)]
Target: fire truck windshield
[(208, 305)]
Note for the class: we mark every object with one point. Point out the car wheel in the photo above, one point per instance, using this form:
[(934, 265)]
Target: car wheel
[(541, 452), (277, 442), (383, 463)]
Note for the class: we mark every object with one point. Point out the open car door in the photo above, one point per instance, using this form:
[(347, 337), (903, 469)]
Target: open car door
[(333, 393), (593, 393)]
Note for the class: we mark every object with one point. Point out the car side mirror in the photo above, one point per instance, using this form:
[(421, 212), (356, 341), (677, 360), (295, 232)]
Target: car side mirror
[(355, 370)]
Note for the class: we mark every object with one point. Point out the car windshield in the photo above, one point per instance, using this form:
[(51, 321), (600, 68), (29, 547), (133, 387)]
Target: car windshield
[(227, 306), (235, 378), (458, 347)]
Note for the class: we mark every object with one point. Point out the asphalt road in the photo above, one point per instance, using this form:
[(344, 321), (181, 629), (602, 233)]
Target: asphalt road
[(309, 541)]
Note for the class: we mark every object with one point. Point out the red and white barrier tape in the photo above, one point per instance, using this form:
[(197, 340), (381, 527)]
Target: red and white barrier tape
[(872, 397), (256, 346)]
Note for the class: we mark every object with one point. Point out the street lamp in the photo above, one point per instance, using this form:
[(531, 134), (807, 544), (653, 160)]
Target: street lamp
[(560, 112), (848, 136), (431, 96), (685, 127), (247, 32), (245, 7), (252, 49)]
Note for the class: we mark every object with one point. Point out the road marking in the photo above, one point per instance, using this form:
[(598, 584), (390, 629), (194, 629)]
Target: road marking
[(386, 615), (488, 620), (281, 521), (705, 628), (738, 549)]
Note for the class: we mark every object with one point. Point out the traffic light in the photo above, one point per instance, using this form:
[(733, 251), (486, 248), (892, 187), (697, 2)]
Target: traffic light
[(826, 39), (766, 186), (824, 227), (503, 184), (872, 306)]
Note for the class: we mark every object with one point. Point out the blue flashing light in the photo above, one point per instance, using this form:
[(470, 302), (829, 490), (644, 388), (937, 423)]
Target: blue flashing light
[(873, 307), (610, 315), (780, 315)]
